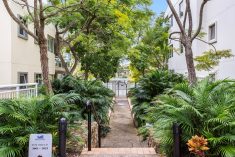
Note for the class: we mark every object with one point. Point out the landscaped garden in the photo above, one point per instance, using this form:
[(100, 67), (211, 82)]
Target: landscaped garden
[(99, 38), (205, 109), (22, 117)]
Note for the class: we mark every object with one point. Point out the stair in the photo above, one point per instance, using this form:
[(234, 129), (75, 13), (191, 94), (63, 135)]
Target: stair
[(120, 152)]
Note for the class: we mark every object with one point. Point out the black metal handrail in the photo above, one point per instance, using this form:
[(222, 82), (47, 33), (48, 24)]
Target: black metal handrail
[(91, 109)]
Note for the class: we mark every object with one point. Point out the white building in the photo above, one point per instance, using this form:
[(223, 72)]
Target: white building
[(19, 53), (218, 24)]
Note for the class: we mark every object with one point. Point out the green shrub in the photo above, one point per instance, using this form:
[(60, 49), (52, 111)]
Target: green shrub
[(149, 86), (22, 117), (81, 91), (206, 109)]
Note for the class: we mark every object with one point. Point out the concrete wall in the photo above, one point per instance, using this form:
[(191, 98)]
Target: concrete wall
[(21, 55), (221, 12)]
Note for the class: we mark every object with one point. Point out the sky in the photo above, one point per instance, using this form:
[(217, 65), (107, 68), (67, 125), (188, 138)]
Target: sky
[(159, 6)]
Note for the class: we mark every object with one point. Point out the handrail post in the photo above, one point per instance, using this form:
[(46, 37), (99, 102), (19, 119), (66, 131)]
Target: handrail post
[(99, 135), (176, 134), (88, 104), (62, 137), (17, 92)]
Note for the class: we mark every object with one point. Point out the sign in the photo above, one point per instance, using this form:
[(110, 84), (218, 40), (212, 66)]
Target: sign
[(40, 145)]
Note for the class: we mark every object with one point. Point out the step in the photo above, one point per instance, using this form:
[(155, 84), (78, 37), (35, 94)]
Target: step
[(120, 152)]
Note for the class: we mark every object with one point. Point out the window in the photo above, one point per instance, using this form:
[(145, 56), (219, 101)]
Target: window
[(171, 20), (212, 32), (38, 78), (181, 13), (50, 43), (22, 77), (21, 32)]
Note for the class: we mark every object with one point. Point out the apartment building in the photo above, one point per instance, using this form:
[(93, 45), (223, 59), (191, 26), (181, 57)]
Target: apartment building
[(218, 26), (19, 52)]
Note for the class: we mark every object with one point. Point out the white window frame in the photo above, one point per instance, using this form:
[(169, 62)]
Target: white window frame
[(36, 79), (25, 34), (209, 33), (49, 48)]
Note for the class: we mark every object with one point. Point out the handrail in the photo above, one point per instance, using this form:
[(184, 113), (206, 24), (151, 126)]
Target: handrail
[(18, 90), (91, 110), (18, 85), (99, 124)]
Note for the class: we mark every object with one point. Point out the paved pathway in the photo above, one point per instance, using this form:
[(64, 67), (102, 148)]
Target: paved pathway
[(120, 152), (122, 140), (123, 133)]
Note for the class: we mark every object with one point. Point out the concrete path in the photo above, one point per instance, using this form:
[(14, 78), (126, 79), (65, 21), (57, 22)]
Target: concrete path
[(123, 133)]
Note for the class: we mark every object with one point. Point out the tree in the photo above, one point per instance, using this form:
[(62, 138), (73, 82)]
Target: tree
[(152, 51), (40, 14), (109, 36), (186, 35), (210, 59)]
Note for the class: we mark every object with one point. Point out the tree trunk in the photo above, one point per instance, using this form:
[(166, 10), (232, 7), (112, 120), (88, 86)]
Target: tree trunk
[(58, 53), (190, 64), (44, 63)]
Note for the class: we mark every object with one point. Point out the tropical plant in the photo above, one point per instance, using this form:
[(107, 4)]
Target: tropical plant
[(82, 91), (206, 109), (22, 117), (151, 85)]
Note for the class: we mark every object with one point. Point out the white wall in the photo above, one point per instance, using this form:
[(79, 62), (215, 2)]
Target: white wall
[(22, 55), (5, 46), (218, 11)]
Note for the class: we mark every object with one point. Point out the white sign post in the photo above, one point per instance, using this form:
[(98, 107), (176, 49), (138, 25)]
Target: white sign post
[(40, 145)]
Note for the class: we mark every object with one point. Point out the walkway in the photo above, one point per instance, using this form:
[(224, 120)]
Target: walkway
[(122, 140), (123, 133)]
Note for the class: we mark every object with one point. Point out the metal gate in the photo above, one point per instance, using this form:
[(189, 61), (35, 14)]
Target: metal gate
[(119, 86)]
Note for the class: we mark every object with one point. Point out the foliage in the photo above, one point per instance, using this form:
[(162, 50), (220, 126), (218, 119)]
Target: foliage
[(103, 31), (198, 145), (22, 117), (210, 59), (149, 86), (206, 109), (152, 51), (81, 91)]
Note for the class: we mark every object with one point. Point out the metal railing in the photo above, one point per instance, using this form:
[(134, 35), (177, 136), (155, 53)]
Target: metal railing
[(27, 90), (91, 110)]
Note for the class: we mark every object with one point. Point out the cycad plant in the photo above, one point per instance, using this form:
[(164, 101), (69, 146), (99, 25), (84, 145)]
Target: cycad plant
[(22, 117), (80, 91), (151, 85), (206, 109)]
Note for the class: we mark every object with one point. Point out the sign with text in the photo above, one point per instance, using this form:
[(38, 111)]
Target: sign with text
[(40, 145)]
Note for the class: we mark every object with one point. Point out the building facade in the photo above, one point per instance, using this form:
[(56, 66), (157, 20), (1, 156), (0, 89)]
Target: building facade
[(217, 27), (19, 52)]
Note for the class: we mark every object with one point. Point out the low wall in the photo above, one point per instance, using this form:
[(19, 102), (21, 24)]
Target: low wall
[(74, 147)]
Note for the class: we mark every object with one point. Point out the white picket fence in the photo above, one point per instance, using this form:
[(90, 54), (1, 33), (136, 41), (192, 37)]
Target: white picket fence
[(18, 90)]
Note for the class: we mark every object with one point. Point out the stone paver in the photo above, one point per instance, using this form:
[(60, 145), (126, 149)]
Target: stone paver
[(123, 134), (122, 140), (119, 152)]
